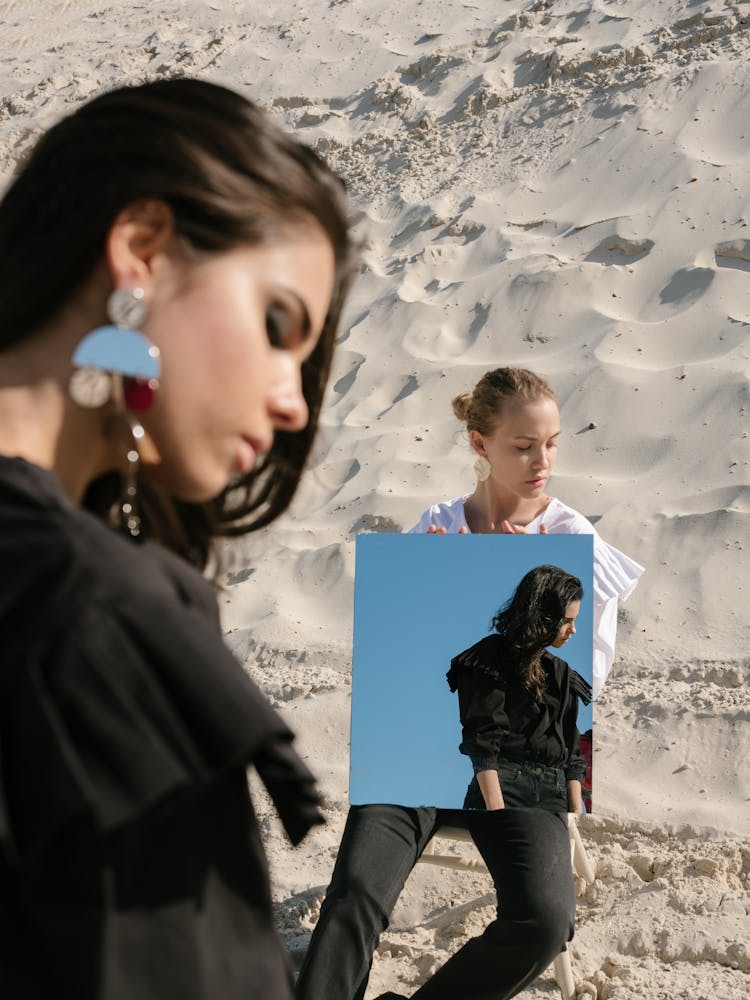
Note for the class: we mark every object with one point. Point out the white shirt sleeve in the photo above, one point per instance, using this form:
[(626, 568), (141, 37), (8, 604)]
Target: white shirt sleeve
[(605, 635), (449, 515), (615, 574), (422, 524), (615, 577)]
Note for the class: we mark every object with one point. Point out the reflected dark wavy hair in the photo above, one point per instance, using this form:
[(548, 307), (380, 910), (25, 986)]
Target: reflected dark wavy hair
[(532, 618), (231, 177)]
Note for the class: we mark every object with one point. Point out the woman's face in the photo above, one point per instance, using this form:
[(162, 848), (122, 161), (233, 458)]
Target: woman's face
[(523, 447), (568, 626), (233, 330)]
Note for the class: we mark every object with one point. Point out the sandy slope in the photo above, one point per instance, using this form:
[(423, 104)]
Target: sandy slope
[(561, 185)]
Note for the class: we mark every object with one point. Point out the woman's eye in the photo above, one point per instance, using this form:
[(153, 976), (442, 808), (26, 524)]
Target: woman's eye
[(279, 326), (527, 448)]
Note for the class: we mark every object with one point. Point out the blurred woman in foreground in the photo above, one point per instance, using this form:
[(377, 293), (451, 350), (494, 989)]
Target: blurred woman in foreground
[(173, 271)]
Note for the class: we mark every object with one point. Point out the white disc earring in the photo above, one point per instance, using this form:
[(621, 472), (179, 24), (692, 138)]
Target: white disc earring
[(482, 468), (126, 307)]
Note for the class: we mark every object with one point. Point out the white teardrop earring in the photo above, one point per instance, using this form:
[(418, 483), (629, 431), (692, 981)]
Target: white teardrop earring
[(482, 468)]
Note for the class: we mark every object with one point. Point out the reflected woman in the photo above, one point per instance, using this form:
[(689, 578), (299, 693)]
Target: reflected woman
[(519, 703)]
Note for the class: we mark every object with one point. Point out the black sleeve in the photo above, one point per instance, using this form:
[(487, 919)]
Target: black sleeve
[(125, 708), (575, 764), (483, 717)]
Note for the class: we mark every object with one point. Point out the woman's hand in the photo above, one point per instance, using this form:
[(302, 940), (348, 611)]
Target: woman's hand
[(518, 529), (506, 529), (489, 786), (575, 800)]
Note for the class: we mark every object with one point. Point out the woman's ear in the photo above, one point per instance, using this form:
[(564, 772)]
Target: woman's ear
[(139, 233), (477, 443)]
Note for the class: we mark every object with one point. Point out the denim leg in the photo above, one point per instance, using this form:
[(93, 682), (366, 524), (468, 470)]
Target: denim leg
[(524, 785), (528, 854), (553, 790), (379, 848)]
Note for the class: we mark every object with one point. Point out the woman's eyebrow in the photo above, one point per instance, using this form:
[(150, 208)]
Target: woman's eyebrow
[(532, 437)]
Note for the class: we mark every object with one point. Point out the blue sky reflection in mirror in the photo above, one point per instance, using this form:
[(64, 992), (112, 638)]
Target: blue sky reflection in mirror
[(418, 601)]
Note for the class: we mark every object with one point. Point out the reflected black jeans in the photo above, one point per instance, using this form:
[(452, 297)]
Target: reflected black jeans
[(528, 854), (524, 783)]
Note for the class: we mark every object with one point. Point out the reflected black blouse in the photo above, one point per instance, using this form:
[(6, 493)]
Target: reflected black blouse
[(131, 864), (501, 720)]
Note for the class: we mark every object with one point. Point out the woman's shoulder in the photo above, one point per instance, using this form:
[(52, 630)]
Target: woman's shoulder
[(559, 518), (565, 675), (58, 558), (615, 573), (484, 658), (117, 690), (487, 650), (448, 514), (558, 667)]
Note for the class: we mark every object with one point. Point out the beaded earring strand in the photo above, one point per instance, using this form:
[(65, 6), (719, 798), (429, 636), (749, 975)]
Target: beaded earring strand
[(118, 363)]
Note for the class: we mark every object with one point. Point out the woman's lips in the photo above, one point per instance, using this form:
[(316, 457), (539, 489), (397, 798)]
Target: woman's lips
[(245, 457), (248, 451), (539, 481)]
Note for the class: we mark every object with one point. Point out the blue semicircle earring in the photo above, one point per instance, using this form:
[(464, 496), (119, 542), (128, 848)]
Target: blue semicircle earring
[(117, 362), (118, 348)]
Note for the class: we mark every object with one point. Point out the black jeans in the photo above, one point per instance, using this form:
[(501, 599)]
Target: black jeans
[(528, 854), (525, 784)]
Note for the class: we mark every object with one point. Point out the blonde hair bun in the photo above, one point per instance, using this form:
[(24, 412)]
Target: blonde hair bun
[(480, 407), (462, 404)]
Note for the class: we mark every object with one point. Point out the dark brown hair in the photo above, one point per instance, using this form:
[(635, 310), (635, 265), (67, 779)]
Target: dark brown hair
[(532, 618), (231, 177), (480, 408)]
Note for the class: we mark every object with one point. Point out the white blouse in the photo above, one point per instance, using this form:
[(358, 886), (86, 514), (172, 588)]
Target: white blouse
[(615, 574)]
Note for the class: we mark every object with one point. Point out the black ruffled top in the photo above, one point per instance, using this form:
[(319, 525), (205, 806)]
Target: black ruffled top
[(501, 720), (130, 861)]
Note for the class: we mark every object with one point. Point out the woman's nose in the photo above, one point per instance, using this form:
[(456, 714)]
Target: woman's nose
[(286, 404)]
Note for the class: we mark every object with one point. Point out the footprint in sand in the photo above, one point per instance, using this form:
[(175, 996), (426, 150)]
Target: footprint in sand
[(333, 476), (381, 400), (371, 523), (618, 249), (344, 383), (416, 221), (735, 253), (427, 73), (411, 384), (686, 285)]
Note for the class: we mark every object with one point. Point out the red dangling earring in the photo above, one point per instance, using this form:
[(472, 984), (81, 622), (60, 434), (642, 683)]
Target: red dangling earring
[(119, 363), (139, 393)]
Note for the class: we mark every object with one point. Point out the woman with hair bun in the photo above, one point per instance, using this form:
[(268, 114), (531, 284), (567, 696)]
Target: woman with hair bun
[(513, 422), (513, 425), (173, 272)]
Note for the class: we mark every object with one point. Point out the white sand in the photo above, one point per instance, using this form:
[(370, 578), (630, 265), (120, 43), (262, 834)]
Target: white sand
[(560, 185)]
